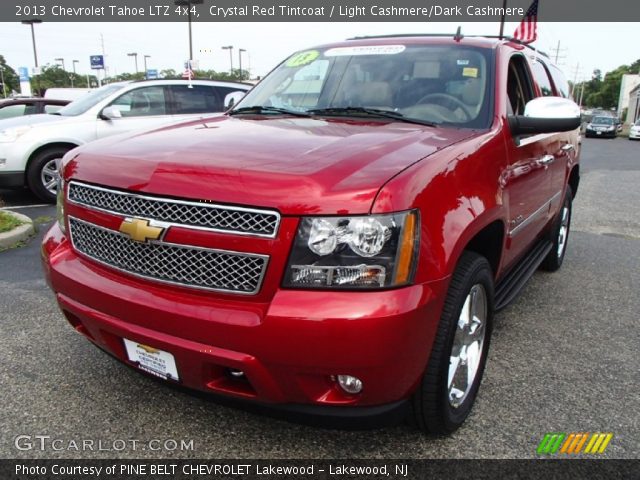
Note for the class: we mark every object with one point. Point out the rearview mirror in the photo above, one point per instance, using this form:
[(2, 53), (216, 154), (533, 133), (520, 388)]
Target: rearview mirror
[(110, 113), (232, 98), (546, 115)]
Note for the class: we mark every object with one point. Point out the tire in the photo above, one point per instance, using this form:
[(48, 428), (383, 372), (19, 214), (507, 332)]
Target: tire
[(559, 235), (438, 406), (42, 171)]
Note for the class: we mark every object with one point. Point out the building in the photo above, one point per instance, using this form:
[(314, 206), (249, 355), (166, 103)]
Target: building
[(633, 101), (629, 82)]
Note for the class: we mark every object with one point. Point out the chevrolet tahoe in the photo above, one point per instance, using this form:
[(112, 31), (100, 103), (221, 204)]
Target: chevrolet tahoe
[(336, 243)]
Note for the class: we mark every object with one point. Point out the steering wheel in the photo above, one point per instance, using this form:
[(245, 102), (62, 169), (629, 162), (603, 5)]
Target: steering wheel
[(447, 101)]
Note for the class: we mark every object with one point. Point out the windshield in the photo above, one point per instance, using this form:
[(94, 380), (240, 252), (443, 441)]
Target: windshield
[(603, 120), (87, 101), (433, 83)]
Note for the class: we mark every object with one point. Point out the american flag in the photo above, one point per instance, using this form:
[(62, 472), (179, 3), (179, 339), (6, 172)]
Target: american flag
[(188, 74), (527, 31)]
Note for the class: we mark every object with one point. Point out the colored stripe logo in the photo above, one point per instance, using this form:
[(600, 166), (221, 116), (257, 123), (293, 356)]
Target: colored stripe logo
[(573, 443)]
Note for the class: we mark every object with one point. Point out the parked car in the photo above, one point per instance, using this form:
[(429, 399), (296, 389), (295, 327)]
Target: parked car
[(601, 126), (31, 147), (634, 132), (20, 106), (339, 241)]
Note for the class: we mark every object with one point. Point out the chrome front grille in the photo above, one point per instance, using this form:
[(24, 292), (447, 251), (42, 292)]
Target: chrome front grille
[(170, 263), (220, 218)]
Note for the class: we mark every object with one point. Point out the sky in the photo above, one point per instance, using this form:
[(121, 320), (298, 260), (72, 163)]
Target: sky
[(589, 45)]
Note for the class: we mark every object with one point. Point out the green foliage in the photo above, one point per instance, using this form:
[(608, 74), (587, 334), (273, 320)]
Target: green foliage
[(11, 79), (8, 222), (604, 93), (53, 76)]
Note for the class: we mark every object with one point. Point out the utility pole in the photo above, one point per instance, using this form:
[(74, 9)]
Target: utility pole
[(557, 51), (575, 78), (4, 87)]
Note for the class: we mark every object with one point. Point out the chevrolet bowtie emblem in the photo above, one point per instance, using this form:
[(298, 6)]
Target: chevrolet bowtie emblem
[(140, 230)]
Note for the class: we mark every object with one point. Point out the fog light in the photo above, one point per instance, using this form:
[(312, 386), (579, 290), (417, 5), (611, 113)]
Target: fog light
[(350, 384), (236, 373)]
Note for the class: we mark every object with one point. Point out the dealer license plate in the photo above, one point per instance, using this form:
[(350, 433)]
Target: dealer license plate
[(151, 360)]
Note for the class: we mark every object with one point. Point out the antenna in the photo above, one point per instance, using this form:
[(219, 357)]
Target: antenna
[(458, 36)]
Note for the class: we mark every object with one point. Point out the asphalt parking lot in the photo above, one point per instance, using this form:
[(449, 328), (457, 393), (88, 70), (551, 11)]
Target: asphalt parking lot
[(563, 359)]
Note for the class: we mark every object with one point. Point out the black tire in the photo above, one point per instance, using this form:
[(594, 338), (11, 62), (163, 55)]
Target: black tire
[(432, 411), (555, 257), (34, 172)]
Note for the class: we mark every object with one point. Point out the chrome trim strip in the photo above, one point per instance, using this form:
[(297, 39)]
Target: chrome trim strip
[(533, 216), (153, 279), (181, 202)]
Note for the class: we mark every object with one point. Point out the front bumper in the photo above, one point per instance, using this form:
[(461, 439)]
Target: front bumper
[(601, 133), (634, 135), (289, 348)]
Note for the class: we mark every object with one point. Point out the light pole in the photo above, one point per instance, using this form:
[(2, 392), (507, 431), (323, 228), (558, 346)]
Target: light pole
[(73, 64), (145, 64), (230, 48), (61, 60), (135, 57), (4, 87), (33, 36), (240, 50), (188, 4)]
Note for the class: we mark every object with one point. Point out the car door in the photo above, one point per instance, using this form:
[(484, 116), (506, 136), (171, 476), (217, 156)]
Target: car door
[(196, 101), (528, 178), (144, 107)]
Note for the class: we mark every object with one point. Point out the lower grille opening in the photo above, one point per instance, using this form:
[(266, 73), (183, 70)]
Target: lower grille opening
[(184, 265)]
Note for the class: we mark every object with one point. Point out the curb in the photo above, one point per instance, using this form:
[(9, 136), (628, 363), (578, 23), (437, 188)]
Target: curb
[(18, 234)]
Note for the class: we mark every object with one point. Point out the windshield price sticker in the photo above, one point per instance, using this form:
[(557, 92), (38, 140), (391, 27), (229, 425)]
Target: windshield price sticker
[(302, 58), (365, 50)]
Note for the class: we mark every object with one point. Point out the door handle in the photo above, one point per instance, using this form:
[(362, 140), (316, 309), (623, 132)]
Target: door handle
[(568, 147), (546, 160)]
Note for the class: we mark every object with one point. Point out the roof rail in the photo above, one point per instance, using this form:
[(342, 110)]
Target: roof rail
[(456, 36)]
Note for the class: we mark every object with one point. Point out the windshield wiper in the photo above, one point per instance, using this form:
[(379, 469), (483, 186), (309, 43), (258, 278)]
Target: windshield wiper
[(369, 111), (267, 109)]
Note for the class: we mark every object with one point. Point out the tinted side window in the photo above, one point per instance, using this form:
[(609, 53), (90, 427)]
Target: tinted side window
[(562, 86), (199, 99), (142, 102), (542, 78), (12, 111), (519, 89)]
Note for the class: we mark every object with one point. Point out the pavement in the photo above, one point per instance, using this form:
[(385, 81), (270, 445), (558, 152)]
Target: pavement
[(563, 359)]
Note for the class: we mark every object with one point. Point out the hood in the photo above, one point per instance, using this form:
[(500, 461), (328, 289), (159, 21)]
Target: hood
[(30, 120), (296, 165)]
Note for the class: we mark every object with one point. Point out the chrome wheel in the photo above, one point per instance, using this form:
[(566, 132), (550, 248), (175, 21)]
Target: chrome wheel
[(467, 351), (49, 175), (563, 231)]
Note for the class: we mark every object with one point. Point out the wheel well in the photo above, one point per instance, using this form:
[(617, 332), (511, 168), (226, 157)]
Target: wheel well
[(47, 147), (488, 243), (574, 179)]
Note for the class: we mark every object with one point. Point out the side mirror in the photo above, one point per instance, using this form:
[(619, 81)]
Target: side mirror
[(546, 115), (110, 113), (232, 98)]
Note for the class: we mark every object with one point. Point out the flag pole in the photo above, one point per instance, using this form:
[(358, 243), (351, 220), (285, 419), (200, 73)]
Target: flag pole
[(502, 18)]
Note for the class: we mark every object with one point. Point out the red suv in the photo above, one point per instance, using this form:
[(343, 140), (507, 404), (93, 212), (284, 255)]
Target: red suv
[(339, 241)]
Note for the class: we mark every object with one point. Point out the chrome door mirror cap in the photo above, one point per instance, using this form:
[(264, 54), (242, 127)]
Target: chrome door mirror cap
[(552, 108)]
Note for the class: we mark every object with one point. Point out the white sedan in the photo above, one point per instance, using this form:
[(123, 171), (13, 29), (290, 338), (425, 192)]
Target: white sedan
[(31, 147), (634, 133)]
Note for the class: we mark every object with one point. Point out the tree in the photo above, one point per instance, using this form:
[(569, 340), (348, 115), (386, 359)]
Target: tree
[(11, 79)]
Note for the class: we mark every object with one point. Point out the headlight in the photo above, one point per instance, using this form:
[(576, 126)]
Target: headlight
[(11, 134), (363, 252), (60, 203)]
